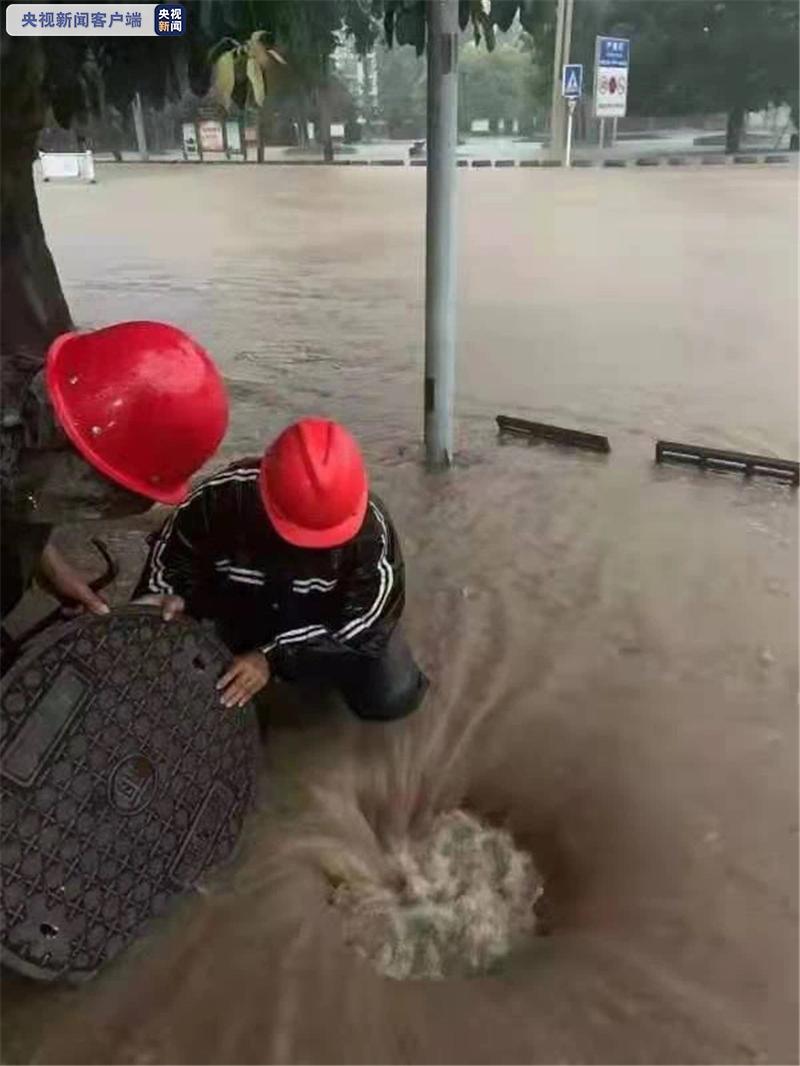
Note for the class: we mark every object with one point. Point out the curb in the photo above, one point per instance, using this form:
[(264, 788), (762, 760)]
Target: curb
[(718, 160)]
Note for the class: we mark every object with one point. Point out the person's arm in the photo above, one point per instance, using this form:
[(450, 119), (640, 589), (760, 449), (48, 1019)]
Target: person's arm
[(58, 577), (372, 597), (371, 602)]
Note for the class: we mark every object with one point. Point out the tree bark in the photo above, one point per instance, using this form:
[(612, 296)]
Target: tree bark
[(324, 131), (261, 133), (34, 309), (733, 133)]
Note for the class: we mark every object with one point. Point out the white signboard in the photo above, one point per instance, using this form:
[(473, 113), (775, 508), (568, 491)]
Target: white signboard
[(190, 141), (611, 66), (211, 136), (79, 165), (233, 136)]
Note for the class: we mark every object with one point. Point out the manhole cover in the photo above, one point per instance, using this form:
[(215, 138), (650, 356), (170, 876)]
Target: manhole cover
[(123, 780)]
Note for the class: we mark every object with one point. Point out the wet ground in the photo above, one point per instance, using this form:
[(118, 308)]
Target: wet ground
[(613, 645)]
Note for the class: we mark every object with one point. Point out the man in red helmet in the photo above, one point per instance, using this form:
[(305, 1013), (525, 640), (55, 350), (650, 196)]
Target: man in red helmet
[(119, 418), (300, 568)]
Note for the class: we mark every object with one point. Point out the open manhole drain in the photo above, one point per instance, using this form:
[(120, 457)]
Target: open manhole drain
[(462, 897)]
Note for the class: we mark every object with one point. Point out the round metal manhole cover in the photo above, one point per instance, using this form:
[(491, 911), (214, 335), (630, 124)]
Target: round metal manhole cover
[(123, 780)]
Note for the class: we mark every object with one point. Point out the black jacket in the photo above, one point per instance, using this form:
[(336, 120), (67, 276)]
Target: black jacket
[(300, 606), (43, 483)]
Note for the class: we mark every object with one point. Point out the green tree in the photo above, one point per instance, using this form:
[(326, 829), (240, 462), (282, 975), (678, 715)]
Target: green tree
[(698, 55), (63, 76), (60, 76), (492, 85), (402, 91)]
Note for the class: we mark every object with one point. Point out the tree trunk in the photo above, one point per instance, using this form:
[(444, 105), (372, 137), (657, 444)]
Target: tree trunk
[(261, 131), (733, 133), (794, 140), (323, 131), (34, 308)]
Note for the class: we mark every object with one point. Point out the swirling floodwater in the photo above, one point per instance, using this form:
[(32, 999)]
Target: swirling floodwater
[(583, 848)]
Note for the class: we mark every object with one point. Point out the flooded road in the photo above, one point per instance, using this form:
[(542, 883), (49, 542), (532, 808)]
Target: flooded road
[(613, 646)]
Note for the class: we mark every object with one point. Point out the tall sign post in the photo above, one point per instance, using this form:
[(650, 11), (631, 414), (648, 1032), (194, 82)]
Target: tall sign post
[(612, 56), (571, 90), (561, 51)]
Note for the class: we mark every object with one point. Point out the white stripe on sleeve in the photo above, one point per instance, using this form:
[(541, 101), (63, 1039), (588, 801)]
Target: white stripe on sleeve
[(157, 581), (358, 625)]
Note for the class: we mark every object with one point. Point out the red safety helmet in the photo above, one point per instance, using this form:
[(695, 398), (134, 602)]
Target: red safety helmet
[(314, 484), (141, 401)]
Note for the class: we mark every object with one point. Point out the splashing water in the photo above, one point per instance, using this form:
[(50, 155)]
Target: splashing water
[(462, 898)]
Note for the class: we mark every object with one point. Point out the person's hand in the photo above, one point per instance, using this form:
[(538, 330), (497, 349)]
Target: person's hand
[(58, 577), (247, 675), (171, 606)]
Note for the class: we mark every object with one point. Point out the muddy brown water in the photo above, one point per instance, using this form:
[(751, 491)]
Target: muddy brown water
[(613, 646)]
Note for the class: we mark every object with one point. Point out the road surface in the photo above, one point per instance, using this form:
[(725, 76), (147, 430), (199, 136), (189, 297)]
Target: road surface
[(613, 645)]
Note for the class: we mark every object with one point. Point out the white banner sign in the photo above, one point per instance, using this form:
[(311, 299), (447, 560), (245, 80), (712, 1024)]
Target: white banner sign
[(211, 136), (611, 67), (233, 136), (67, 165), (190, 148)]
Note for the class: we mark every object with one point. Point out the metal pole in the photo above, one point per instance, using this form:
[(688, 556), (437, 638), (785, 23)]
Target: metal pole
[(614, 132), (570, 117), (138, 123), (567, 46), (440, 263), (556, 106), (602, 140), (565, 51)]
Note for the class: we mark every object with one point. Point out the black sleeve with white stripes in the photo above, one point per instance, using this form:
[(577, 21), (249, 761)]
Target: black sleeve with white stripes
[(174, 564), (371, 600)]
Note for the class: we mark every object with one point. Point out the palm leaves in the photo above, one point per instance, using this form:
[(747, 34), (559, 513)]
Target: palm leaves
[(405, 21), (241, 73)]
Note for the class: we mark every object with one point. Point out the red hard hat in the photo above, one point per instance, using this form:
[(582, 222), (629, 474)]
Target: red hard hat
[(314, 484), (141, 401)]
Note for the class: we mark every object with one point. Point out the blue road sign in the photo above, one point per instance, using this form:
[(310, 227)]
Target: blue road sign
[(572, 81), (614, 51)]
